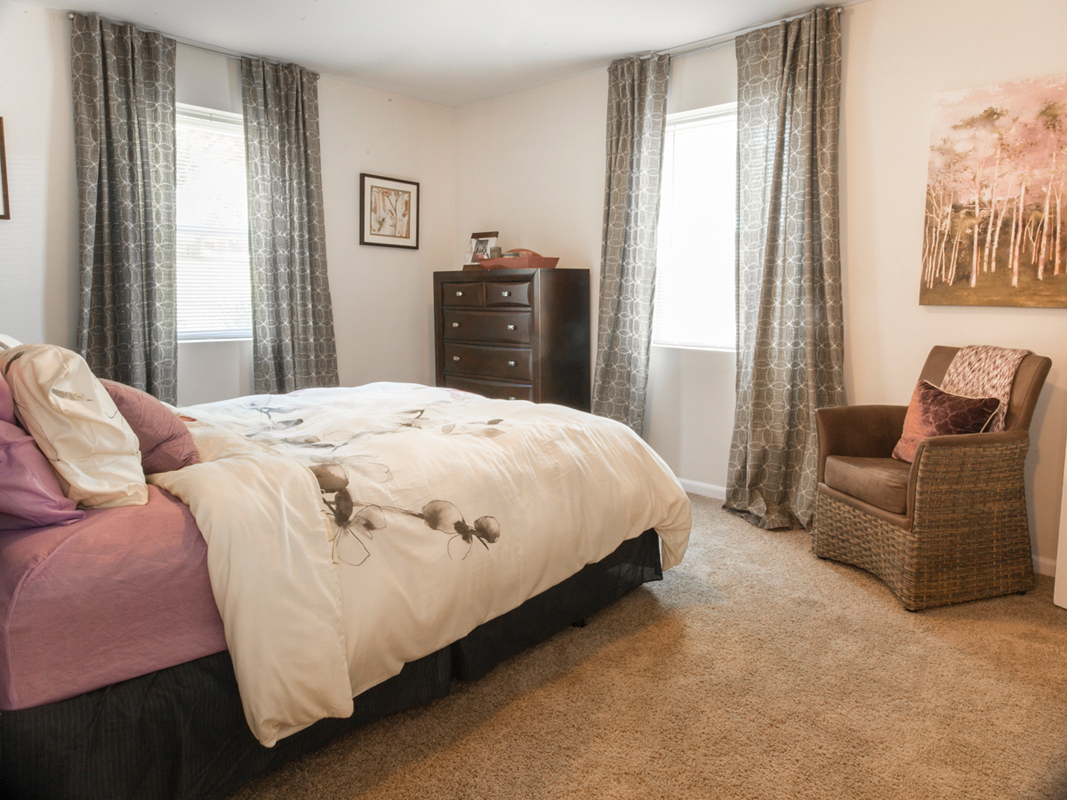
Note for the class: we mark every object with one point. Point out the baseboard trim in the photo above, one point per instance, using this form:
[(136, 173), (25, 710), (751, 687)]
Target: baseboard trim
[(704, 489), (1044, 566)]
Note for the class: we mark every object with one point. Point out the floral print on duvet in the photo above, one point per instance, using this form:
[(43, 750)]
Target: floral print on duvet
[(341, 459)]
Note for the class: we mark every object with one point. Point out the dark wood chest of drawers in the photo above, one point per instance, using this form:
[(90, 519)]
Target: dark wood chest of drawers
[(514, 334)]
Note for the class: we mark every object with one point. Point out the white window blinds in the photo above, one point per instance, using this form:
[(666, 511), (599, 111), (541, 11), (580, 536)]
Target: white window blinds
[(214, 274), (695, 298)]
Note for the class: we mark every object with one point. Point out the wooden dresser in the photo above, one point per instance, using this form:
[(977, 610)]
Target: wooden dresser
[(514, 334)]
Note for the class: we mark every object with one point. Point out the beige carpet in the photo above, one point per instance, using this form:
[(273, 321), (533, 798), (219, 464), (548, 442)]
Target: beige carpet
[(753, 670)]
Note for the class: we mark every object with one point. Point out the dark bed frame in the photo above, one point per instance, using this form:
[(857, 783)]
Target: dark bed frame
[(180, 733)]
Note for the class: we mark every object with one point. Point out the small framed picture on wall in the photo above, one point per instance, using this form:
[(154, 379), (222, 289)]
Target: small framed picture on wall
[(388, 212), (5, 207)]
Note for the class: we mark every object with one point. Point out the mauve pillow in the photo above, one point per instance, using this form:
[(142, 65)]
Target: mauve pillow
[(933, 412), (7, 402), (166, 444), (30, 494)]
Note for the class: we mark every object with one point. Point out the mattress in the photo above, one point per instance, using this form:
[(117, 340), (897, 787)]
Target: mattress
[(120, 594)]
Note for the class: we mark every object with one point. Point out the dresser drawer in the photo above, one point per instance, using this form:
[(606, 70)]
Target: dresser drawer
[(507, 294), (507, 327), (496, 390), (463, 294), (504, 363)]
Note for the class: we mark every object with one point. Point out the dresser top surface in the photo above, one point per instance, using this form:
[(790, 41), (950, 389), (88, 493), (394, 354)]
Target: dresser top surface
[(478, 274)]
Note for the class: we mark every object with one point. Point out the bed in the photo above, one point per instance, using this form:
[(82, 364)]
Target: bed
[(334, 555)]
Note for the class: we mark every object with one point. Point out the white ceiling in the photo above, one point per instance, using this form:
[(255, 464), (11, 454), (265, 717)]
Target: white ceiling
[(452, 52)]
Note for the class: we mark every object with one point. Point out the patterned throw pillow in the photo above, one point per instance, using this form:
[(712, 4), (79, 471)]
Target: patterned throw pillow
[(933, 412)]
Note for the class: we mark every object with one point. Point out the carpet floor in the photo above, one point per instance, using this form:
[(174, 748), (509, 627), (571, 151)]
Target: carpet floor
[(753, 670)]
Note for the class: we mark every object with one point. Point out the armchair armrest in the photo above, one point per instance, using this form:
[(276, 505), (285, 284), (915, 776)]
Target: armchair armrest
[(862, 431), (973, 440), (966, 471)]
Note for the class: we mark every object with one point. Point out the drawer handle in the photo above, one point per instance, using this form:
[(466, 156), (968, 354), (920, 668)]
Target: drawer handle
[(455, 358), (511, 327), (511, 363), (512, 397), (505, 294), (455, 324), (459, 294)]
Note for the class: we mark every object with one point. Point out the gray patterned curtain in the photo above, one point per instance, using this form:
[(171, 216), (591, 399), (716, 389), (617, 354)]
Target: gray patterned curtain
[(125, 158), (637, 118), (789, 321), (292, 316)]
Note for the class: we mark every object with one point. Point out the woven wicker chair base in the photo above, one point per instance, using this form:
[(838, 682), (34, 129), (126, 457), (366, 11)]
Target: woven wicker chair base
[(967, 541)]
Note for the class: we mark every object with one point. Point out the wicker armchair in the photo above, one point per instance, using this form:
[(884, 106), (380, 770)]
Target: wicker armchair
[(947, 528)]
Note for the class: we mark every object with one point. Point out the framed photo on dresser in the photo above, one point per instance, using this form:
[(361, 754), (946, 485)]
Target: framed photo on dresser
[(481, 246), (388, 212)]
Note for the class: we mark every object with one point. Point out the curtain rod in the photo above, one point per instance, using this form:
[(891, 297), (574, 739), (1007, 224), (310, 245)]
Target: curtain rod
[(682, 49), (726, 38), (208, 48)]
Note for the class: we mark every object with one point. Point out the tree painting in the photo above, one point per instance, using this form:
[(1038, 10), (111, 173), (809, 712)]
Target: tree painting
[(995, 212), (390, 212)]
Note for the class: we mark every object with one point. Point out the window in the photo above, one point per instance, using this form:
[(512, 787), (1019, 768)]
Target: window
[(214, 273), (694, 303)]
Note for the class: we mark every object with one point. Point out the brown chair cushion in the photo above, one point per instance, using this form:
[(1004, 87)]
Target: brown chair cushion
[(933, 412), (882, 482)]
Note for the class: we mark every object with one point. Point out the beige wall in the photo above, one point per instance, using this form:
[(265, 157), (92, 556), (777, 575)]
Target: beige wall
[(897, 55), (383, 296), (38, 245), (531, 165)]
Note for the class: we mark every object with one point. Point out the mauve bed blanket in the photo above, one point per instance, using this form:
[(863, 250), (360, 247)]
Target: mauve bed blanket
[(122, 593)]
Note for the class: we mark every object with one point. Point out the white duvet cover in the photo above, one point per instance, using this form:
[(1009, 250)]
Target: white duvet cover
[(353, 530)]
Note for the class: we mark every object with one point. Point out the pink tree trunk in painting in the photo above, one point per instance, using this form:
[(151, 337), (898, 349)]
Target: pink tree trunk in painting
[(974, 233), (1059, 235)]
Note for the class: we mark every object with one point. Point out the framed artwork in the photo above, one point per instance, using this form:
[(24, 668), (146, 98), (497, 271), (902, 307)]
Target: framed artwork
[(996, 213), (388, 212), (481, 244), (5, 207)]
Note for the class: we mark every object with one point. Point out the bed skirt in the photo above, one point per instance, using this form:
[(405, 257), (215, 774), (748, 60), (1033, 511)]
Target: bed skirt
[(180, 732)]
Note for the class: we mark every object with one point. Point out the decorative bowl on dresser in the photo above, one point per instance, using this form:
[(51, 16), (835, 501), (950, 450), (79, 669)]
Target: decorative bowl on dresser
[(514, 334)]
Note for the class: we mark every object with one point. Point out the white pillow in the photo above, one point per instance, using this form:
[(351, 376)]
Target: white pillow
[(76, 425)]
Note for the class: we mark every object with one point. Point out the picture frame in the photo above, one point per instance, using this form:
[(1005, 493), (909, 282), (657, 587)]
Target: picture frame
[(994, 232), (481, 244), (388, 212), (5, 208)]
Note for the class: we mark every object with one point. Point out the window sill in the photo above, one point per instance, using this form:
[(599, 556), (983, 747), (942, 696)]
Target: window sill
[(701, 348), (216, 339)]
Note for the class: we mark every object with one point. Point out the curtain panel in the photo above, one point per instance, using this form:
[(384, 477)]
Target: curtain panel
[(292, 315), (637, 118), (790, 338), (123, 81)]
